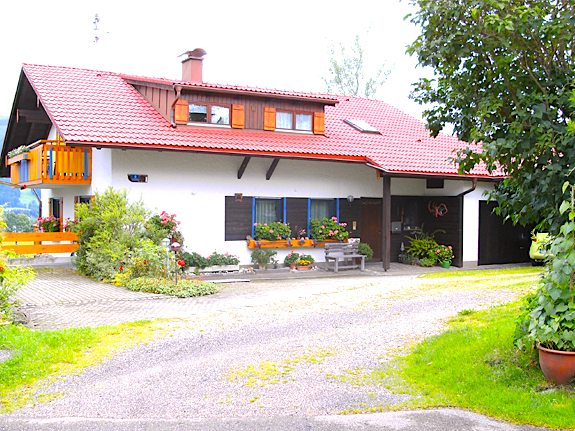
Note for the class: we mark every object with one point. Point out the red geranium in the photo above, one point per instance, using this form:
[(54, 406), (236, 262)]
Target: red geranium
[(181, 262)]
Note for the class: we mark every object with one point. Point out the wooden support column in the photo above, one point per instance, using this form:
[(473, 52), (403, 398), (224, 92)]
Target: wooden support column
[(386, 224)]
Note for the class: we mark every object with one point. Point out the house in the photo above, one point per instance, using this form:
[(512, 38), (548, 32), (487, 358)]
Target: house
[(222, 157)]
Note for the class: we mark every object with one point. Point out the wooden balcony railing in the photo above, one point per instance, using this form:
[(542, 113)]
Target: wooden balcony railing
[(49, 163), (32, 242)]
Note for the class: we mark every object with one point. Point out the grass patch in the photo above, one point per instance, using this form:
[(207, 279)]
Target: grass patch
[(474, 366), (183, 289), (269, 372), (486, 272), (46, 355)]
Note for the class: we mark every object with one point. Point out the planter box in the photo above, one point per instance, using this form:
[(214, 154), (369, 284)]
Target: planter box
[(18, 158), (219, 268)]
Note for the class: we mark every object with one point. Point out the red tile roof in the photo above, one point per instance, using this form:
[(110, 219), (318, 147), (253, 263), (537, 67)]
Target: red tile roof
[(102, 108)]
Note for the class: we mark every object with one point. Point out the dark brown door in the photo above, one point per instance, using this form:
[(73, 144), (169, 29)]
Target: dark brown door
[(371, 225)]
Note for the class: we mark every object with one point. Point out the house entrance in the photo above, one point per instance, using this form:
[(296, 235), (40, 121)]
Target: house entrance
[(371, 224)]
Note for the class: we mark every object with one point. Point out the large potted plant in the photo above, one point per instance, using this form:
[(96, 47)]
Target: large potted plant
[(551, 321)]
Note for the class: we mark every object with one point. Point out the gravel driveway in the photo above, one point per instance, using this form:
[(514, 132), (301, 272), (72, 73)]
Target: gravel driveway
[(301, 354)]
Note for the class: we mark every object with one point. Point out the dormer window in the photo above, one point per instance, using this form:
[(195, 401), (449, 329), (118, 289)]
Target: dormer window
[(287, 120), (212, 114), (284, 120)]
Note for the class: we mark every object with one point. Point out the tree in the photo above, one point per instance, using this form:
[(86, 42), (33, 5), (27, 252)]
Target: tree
[(504, 73), (17, 222), (347, 72)]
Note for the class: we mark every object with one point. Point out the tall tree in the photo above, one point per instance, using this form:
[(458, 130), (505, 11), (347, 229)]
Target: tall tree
[(347, 72), (504, 72)]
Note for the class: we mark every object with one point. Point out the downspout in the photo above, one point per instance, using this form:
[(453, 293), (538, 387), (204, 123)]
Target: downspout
[(473, 187), (178, 89)]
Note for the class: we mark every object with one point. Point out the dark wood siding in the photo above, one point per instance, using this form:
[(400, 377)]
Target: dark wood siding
[(451, 222), (296, 214), (160, 98), (238, 218), (501, 242), (350, 212)]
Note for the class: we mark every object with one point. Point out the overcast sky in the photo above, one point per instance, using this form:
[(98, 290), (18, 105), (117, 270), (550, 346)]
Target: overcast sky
[(250, 42)]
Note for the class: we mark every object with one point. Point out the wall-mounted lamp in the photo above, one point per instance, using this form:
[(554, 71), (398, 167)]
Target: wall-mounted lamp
[(239, 197), (350, 198)]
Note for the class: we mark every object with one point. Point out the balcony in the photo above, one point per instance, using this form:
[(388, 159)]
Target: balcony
[(49, 163)]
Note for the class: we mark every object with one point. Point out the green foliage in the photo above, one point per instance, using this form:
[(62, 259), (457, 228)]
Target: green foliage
[(263, 256), (422, 243), (552, 320), (17, 151), (291, 258), (426, 262), (327, 228), (442, 253), (365, 249), (215, 259), (17, 222), (112, 235), (161, 226), (183, 289), (11, 279), (48, 224), (272, 232), (347, 72), (504, 76)]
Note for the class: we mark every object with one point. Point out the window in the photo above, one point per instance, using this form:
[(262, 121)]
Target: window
[(216, 114), (56, 207), (322, 208), (84, 199), (284, 120), (303, 122), (362, 126), (268, 210)]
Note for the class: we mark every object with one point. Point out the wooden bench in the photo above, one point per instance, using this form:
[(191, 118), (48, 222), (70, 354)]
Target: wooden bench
[(347, 253)]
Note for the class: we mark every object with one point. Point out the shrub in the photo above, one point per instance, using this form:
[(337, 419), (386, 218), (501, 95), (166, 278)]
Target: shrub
[(327, 228), (215, 259), (161, 226), (183, 289), (426, 261), (291, 258), (263, 256), (111, 235), (11, 279), (365, 249), (422, 243), (272, 232), (47, 224)]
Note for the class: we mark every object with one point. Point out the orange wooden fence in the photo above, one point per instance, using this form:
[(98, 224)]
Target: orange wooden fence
[(32, 242)]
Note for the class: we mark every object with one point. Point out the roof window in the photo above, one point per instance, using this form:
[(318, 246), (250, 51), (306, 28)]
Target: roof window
[(362, 126)]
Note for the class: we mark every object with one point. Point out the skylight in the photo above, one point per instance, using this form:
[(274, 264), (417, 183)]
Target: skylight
[(362, 126)]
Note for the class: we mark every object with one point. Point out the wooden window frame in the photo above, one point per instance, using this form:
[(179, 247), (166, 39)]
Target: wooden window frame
[(209, 112)]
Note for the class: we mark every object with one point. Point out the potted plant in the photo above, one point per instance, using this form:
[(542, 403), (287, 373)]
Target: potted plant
[(550, 322), (47, 224), (328, 229), (303, 265), (263, 257), (291, 259), (442, 254)]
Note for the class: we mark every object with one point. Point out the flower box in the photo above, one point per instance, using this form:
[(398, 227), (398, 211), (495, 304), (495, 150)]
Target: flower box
[(263, 243), (18, 158), (217, 268)]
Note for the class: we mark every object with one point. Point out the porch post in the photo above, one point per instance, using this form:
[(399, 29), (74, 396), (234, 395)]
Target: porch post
[(386, 223)]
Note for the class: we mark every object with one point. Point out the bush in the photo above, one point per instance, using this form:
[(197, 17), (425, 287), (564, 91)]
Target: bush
[(215, 259), (327, 228), (111, 235), (183, 289), (263, 256), (161, 226), (273, 232), (366, 250), (422, 243), (426, 262)]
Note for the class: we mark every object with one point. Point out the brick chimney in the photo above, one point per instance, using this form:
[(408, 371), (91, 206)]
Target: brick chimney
[(192, 66)]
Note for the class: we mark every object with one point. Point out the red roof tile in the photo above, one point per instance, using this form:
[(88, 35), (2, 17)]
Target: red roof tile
[(95, 107)]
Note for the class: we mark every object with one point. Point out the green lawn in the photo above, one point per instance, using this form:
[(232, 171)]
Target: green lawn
[(475, 366), (37, 355)]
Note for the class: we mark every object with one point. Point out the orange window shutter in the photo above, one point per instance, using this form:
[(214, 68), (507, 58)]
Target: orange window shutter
[(181, 112), (49, 207), (238, 116), (319, 123), (269, 118)]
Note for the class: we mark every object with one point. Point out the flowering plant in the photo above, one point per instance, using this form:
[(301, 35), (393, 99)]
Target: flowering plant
[(68, 225), (291, 258), (47, 224), (442, 253), (327, 228), (303, 262), (161, 226), (272, 232)]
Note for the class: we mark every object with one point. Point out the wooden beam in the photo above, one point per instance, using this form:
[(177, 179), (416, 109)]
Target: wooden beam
[(386, 224), (243, 167), (272, 168)]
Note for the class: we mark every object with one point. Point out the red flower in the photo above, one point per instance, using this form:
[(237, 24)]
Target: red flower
[(121, 268), (181, 262)]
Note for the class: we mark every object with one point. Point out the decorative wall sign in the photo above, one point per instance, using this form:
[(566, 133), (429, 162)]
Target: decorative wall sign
[(138, 178)]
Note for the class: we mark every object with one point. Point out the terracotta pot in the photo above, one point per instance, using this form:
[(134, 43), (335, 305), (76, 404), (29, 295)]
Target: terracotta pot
[(303, 268), (292, 265), (558, 366)]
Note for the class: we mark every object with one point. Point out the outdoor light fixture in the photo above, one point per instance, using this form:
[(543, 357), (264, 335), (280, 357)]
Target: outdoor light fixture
[(166, 242), (350, 198), (176, 246)]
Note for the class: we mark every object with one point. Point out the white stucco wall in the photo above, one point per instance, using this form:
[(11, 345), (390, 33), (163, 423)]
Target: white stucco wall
[(194, 186), (471, 222)]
